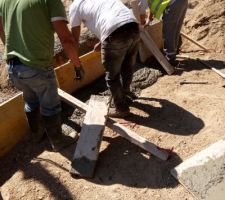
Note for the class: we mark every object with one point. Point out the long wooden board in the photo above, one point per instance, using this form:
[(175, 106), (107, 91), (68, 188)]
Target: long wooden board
[(120, 129), (155, 31), (13, 123), (203, 174), (93, 68), (88, 145)]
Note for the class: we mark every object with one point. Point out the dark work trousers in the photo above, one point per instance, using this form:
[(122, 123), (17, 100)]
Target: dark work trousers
[(119, 52), (173, 18)]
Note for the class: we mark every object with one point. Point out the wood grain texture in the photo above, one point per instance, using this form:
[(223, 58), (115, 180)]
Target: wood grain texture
[(93, 68), (13, 123), (88, 145)]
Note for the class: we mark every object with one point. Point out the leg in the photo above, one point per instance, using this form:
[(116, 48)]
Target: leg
[(46, 88), (18, 75), (113, 54), (127, 69), (172, 22), (183, 8)]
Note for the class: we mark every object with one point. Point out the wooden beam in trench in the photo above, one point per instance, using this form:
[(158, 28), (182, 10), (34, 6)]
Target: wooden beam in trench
[(117, 127), (88, 145)]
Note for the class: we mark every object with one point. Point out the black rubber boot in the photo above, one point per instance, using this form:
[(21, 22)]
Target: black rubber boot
[(54, 132), (36, 126)]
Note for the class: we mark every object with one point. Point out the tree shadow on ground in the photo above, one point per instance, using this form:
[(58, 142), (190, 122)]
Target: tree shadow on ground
[(124, 163), (168, 117), (23, 157)]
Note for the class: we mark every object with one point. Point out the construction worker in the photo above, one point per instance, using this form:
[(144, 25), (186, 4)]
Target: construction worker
[(172, 13), (27, 30), (117, 29)]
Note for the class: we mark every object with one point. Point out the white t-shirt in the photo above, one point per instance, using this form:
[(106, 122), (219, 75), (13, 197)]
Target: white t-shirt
[(101, 17)]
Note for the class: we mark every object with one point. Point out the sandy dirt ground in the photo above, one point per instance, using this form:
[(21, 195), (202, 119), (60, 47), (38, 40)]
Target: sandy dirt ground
[(184, 112)]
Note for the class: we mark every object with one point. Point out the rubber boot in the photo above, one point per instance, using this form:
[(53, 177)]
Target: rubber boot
[(36, 126), (54, 132)]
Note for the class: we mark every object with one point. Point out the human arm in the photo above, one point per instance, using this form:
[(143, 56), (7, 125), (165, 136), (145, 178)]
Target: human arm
[(143, 6), (2, 33), (67, 41), (150, 18), (76, 36)]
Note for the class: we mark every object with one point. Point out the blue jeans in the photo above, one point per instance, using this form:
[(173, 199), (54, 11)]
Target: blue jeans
[(39, 88), (173, 18)]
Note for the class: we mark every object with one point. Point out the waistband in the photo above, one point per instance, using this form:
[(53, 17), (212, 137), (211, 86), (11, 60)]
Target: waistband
[(132, 26)]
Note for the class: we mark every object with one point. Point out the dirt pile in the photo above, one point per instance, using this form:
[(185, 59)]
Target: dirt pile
[(205, 22)]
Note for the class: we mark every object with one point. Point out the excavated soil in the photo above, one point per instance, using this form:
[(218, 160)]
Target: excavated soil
[(184, 112)]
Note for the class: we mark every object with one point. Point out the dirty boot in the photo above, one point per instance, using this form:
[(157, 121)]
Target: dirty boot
[(54, 132), (120, 110), (36, 126)]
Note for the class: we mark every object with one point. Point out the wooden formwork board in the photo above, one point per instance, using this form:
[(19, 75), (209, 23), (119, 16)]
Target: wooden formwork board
[(13, 123), (93, 68), (155, 31)]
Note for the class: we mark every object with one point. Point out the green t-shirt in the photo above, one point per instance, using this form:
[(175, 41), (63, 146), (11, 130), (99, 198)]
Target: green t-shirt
[(29, 34)]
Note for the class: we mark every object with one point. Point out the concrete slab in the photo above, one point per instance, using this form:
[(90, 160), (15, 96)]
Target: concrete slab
[(204, 174)]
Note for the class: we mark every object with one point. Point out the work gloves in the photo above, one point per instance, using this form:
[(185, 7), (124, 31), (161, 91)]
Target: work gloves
[(79, 72)]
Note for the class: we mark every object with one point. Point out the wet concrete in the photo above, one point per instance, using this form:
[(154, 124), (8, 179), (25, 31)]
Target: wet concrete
[(143, 78)]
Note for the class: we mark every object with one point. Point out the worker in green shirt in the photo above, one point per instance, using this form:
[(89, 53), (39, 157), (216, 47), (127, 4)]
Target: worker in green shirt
[(172, 13), (27, 29)]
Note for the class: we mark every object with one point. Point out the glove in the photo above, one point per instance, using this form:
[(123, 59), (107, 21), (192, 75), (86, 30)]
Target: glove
[(79, 72)]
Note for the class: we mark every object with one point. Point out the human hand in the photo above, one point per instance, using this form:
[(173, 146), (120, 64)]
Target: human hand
[(79, 72), (149, 19)]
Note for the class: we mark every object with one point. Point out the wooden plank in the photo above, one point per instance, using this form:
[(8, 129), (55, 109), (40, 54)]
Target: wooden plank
[(203, 174), (149, 42), (93, 69), (13, 123), (195, 42), (204, 63), (212, 68), (88, 145), (155, 31), (120, 129)]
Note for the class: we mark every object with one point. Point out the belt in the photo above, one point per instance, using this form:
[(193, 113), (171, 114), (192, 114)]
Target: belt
[(14, 61)]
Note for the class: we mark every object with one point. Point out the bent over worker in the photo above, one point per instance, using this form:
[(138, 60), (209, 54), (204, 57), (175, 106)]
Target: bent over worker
[(27, 30), (117, 29), (172, 13)]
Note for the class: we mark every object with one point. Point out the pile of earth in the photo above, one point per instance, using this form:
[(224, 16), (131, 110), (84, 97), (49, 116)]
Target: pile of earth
[(205, 22)]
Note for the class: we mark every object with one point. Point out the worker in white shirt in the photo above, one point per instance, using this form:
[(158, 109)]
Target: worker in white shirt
[(172, 13), (117, 29)]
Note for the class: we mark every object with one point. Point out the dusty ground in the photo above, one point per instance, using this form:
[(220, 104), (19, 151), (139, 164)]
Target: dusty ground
[(171, 113)]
